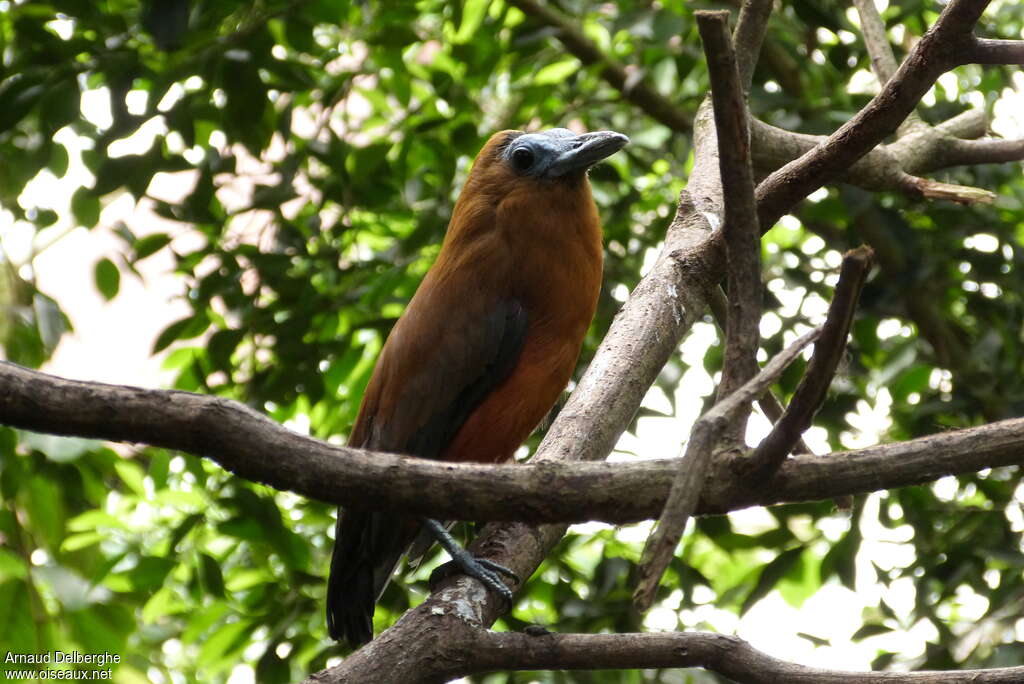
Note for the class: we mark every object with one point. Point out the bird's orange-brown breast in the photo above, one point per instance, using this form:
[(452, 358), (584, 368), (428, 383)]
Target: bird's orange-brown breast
[(552, 240)]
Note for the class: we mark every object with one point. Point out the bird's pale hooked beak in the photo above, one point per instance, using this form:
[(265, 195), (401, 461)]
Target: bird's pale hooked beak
[(581, 152)]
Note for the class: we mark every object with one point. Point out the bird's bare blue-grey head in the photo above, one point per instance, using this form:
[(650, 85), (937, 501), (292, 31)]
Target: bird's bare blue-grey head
[(560, 153)]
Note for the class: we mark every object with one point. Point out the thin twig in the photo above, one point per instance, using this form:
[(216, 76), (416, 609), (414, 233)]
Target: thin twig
[(968, 124), (985, 151), (740, 230), (743, 251), (828, 350), (748, 36), (689, 481), (883, 61), (994, 51), (926, 188), (769, 404)]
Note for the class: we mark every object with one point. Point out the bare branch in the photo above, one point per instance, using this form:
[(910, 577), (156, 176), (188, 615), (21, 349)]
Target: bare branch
[(938, 51), (828, 351), (728, 655), (892, 167), (883, 61), (743, 249), (988, 151), (991, 51), (256, 448), (926, 188), (970, 124), (633, 88), (768, 402), (740, 231), (692, 471), (748, 36)]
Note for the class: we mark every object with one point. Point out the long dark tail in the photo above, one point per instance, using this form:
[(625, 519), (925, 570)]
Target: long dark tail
[(367, 548)]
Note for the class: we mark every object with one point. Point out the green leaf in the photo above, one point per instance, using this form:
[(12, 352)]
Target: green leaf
[(12, 566), (46, 217), (17, 631), (219, 650), (91, 520), (801, 581), (108, 278), (473, 13), (841, 559), (210, 575), (159, 467), (183, 329), (85, 207), (162, 603), (44, 504), (150, 244), (183, 529), (59, 160), (150, 572), (557, 72), (870, 629), (82, 540), (222, 345), (131, 474), (770, 575), (100, 628)]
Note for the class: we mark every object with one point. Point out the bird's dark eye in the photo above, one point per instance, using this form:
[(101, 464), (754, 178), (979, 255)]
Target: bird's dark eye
[(522, 158)]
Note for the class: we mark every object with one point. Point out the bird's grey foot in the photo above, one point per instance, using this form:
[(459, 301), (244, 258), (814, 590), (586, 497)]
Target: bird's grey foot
[(486, 571)]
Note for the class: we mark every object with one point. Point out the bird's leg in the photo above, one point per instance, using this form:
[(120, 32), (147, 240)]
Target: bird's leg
[(462, 560)]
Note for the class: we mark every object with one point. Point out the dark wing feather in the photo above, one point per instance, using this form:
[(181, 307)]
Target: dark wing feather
[(435, 369), (501, 334)]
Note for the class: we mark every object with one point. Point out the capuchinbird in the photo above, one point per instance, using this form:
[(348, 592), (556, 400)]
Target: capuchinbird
[(484, 349)]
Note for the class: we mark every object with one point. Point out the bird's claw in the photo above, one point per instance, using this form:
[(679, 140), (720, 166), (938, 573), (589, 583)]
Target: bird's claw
[(486, 571), (498, 568)]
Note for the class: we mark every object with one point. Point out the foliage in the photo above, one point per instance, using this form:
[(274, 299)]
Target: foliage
[(351, 127)]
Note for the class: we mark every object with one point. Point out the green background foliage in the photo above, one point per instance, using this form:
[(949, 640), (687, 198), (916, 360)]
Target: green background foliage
[(361, 119)]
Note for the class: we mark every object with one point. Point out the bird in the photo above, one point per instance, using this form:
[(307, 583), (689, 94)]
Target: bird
[(483, 350)]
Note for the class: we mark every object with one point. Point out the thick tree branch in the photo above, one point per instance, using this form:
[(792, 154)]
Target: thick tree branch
[(257, 448), (813, 387), (727, 655), (631, 84), (691, 474)]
